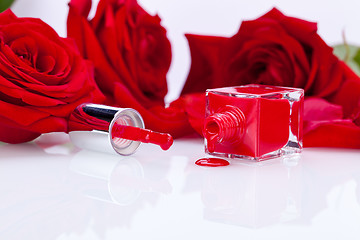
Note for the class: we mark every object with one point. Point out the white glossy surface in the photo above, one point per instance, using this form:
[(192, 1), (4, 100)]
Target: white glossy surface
[(52, 190)]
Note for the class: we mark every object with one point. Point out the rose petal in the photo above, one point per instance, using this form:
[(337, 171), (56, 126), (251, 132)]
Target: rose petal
[(81, 6), (333, 134), (23, 116), (194, 106), (205, 52), (318, 109), (15, 135), (348, 94), (45, 64)]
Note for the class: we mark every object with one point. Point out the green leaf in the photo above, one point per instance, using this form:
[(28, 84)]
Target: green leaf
[(357, 57), (5, 4), (350, 54)]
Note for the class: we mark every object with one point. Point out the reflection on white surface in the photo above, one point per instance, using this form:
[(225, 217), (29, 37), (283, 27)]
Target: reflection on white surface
[(253, 194), (123, 177), (51, 190)]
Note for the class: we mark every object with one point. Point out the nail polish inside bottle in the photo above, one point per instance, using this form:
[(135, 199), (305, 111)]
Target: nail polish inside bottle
[(253, 121)]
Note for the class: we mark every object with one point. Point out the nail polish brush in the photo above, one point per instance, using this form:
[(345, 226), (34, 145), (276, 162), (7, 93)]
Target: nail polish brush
[(108, 129)]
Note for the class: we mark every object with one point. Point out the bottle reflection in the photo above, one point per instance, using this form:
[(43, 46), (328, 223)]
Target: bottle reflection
[(253, 194), (122, 179)]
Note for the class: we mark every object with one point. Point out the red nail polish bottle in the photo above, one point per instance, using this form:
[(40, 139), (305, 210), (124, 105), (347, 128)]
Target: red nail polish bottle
[(253, 121)]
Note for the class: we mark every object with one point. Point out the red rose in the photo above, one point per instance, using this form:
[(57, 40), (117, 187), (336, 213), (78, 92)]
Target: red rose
[(132, 55), (128, 46), (279, 50), (42, 79)]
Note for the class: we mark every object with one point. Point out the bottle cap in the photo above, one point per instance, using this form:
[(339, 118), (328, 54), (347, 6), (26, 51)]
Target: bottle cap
[(108, 129), (94, 124)]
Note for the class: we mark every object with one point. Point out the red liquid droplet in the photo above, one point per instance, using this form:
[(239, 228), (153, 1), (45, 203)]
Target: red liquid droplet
[(211, 145), (212, 162), (164, 140)]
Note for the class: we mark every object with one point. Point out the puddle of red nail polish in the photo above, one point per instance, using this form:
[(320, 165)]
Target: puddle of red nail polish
[(212, 162)]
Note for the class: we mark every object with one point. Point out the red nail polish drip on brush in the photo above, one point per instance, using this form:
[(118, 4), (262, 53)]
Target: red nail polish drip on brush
[(253, 121), (95, 126), (164, 140)]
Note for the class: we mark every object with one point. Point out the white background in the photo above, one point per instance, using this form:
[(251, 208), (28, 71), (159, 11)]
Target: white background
[(214, 18)]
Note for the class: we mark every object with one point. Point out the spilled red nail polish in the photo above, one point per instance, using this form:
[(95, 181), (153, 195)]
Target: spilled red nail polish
[(212, 162)]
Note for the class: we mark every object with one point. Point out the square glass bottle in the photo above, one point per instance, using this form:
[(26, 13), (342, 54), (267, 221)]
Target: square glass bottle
[(253, 121)]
